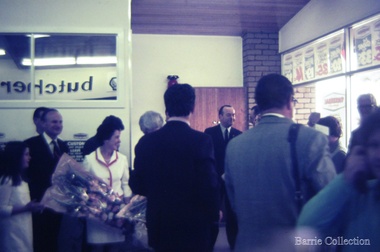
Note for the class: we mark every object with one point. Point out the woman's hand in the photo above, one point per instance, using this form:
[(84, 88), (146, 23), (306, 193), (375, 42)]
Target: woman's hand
[(34, 207)]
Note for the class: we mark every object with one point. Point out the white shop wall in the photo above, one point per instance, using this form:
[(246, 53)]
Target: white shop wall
[(202, 61)]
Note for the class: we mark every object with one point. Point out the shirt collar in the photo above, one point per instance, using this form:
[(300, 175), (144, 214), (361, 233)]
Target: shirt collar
[(223, 129), (273, 114), (47, 138)]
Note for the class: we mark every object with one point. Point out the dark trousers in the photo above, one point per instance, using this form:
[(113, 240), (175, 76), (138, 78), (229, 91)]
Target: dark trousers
[(231, 223), (229, 217), (46, 227)]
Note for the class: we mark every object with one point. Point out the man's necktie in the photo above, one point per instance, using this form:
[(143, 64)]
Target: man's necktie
[(226, 136), (56, 151)]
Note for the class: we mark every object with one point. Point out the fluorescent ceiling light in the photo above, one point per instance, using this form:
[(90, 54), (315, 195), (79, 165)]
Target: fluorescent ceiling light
[(70, 61), (96, 60), (36, 36), (49, 61), (2, 52)]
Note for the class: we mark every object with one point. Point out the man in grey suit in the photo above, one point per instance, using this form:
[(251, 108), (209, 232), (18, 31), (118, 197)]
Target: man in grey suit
[(259, 173)]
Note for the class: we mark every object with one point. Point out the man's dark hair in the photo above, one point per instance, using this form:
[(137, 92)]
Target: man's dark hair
[(273, 91), (179, 100), (38, 112), (222, 107), (369, 126), (108, 127), (256, 109), (333, 124), (48, 110)]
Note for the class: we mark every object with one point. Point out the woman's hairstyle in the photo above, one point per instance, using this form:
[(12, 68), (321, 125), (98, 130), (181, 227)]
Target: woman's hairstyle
[(11, 162), (150, 121), (333, 124), (369, 126), (179, 100), (108, 127)]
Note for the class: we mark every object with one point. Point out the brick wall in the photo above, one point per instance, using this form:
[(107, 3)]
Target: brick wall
[(261, 57), (306, 103)]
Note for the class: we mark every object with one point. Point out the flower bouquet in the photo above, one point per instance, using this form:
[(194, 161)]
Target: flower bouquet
[(79, 193)]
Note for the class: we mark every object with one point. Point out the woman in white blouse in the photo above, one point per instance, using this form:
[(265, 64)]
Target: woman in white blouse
[(15, 206), (111, 166)]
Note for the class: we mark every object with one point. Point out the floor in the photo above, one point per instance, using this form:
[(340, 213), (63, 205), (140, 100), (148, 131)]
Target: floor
[(221, 244)]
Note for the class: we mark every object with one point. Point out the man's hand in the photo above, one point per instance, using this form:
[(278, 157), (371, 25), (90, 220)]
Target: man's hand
[(356, 170)]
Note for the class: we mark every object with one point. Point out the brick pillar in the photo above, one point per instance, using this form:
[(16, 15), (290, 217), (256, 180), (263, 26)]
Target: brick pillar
[(260, 57), (306, 103)]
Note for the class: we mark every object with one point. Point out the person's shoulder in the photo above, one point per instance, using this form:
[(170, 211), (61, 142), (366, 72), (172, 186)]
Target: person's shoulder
[(33, 139), (211, 129), (236, 131)]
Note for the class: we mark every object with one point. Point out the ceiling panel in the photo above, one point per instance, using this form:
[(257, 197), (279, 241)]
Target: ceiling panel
[(212, 17)]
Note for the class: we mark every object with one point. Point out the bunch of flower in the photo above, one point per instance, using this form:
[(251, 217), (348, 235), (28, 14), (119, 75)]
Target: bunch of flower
[(79, 193)]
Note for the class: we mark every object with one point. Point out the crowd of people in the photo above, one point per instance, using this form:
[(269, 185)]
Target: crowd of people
[(278, 186)]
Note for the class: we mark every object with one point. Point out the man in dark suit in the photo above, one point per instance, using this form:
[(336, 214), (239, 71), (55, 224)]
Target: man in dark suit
[(174, 168), (45, 151), (221, 134)]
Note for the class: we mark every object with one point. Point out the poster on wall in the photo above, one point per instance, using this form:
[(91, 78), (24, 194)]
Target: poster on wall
[(366, 44), (336, 54), (320, 59), (363, 38), (309, 64), (298, 75), (287, 67), (322, 56)]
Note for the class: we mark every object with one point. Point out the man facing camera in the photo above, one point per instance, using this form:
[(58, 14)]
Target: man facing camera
[(221, 134), (174, 168), (45, 151)]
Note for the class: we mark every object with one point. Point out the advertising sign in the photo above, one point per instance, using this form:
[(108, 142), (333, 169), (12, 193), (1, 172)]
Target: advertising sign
[(320, 59)]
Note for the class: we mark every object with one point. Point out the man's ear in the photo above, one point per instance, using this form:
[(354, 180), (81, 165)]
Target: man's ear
[(289, 103)]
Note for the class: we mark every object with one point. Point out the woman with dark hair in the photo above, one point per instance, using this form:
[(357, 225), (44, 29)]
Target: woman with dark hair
[(338, 153), (15, 206), (111, 166), (346, 212)]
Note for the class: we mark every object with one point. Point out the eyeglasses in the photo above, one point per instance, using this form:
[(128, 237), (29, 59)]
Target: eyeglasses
[(366, 107), (294, 100)]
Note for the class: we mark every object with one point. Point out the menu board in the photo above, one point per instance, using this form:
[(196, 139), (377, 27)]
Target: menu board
[(317, 60)]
